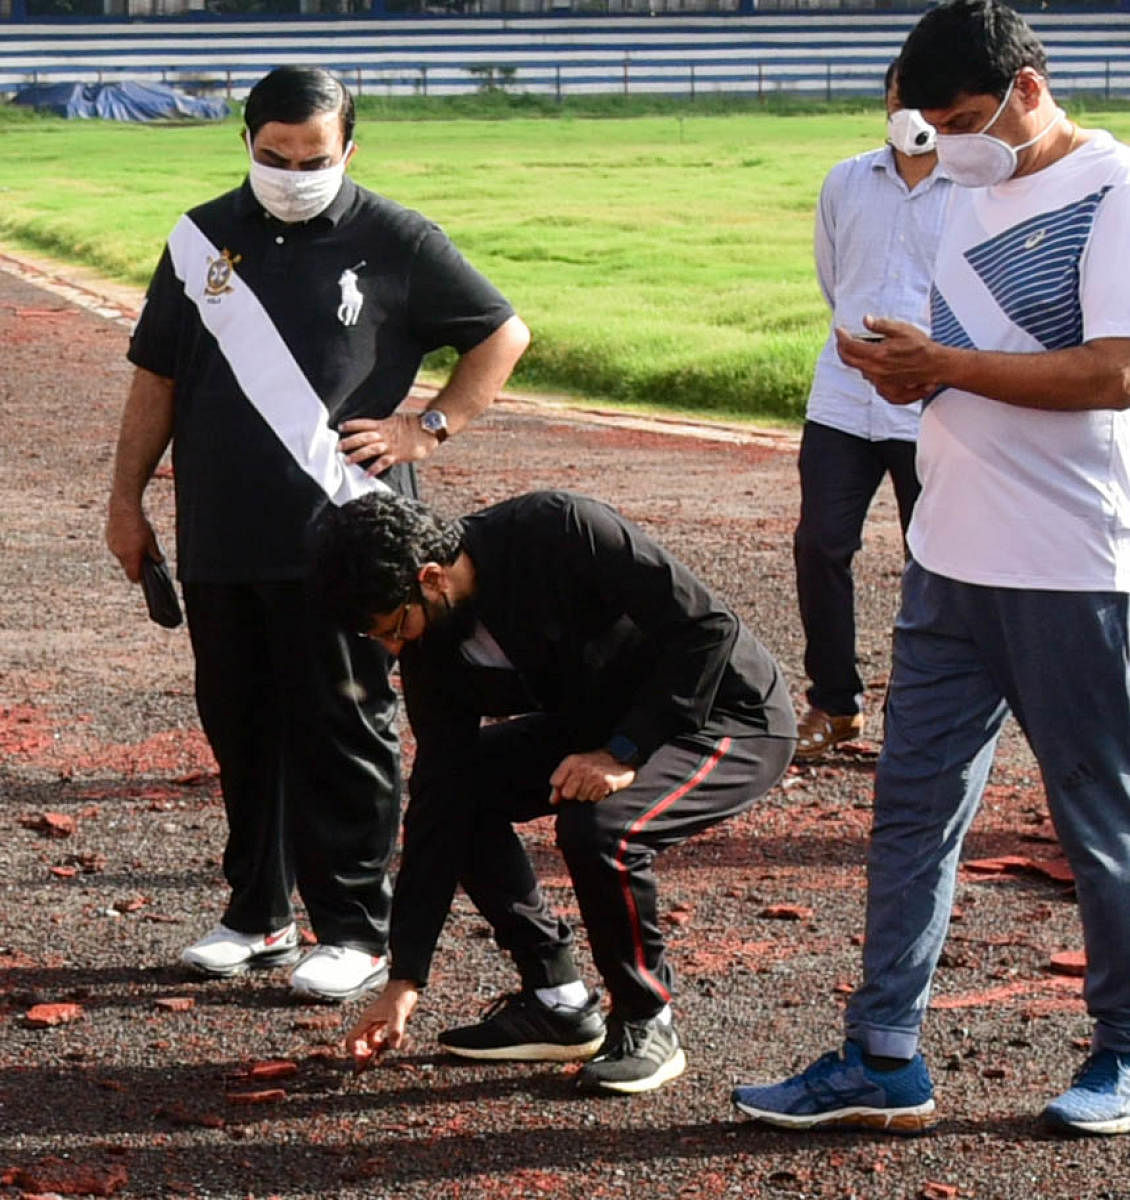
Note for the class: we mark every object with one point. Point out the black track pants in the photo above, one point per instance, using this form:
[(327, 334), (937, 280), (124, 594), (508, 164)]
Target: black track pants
[(687, 786), (300, 718)]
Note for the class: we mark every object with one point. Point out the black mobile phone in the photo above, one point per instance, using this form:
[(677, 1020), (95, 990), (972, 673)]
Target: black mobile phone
[(160, 593), (869, 335)]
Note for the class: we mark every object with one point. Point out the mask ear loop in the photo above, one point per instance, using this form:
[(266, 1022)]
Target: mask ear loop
[(1060, 115)]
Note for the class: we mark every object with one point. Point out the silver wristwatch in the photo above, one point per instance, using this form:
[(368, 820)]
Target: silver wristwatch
[(434, 422)]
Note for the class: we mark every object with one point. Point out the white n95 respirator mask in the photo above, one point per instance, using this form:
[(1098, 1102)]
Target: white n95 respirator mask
[(909, 133), (981, 160)]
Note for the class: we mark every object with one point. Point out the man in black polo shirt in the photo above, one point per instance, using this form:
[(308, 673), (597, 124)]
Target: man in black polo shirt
[(650, 714), (282, 329)]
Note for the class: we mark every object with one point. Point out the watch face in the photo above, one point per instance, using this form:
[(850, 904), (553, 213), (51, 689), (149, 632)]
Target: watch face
[(433, 421)]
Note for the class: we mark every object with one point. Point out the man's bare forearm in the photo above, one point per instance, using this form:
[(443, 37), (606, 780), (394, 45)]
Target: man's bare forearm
[(1095, 375), (145, 432), (481, 373), (146, 429)]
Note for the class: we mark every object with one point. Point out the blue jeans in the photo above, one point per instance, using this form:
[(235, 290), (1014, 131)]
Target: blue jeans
[(964, 655)]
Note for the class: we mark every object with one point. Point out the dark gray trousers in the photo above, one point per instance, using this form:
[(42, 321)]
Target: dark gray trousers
[(839, 476)]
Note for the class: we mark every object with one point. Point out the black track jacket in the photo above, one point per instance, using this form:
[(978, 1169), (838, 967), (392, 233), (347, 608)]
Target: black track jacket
[(603, 628)]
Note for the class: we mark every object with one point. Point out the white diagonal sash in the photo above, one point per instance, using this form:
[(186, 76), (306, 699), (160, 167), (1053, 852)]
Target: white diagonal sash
[(265, 369)]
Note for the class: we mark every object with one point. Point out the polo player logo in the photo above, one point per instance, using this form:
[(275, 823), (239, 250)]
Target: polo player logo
[(218, 279), (351, 299)]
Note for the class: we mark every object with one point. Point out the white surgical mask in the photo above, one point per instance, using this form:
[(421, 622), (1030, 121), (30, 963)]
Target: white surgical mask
[(909, 133), (296, 195), (980, 160)]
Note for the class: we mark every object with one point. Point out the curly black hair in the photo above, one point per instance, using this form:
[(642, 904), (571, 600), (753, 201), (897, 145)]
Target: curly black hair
[(365, 556), (966, 47)]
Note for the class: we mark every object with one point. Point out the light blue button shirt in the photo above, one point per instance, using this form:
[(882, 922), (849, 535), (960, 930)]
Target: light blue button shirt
[(875, 246)]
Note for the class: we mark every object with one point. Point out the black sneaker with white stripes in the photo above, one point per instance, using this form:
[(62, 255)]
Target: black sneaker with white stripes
[(519, 1028), (637, 1056)]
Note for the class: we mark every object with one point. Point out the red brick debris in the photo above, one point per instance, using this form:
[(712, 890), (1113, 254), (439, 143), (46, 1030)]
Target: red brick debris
[(64, 1178), (51, 824), (25, 731), (786, 912), (272, 1068), (41, 1016), (1016, 864), (266, 1096), (175, 1003), (1069, 962)]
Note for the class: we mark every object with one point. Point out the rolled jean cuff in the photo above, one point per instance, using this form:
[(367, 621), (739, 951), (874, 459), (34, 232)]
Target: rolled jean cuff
[(884, 1042)]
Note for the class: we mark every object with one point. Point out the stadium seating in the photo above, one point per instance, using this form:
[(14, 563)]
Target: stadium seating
[(819, 55)]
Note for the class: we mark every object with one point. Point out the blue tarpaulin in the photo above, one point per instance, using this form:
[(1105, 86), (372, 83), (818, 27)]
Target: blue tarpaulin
[(128, 101)]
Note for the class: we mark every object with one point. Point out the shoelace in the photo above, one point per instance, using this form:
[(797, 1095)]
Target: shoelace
[(627, 1037)]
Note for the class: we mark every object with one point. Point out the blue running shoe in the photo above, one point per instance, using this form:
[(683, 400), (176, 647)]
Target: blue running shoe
[(840, 1092), (1098, 1100)]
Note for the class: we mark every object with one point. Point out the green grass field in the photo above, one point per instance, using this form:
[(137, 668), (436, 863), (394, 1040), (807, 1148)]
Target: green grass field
[(662, 260)]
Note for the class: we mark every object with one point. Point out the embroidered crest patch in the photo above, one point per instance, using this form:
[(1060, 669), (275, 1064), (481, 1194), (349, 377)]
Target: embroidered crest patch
[(218, 279)]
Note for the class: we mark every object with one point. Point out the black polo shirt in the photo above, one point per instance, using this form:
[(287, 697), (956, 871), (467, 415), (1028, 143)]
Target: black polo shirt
[(274, 334)]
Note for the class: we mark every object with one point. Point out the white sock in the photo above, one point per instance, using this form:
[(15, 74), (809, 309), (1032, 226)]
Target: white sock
[(565, 995), (664, 1016)]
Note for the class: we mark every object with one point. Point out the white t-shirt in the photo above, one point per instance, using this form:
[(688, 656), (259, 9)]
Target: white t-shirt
[(1017, 497)]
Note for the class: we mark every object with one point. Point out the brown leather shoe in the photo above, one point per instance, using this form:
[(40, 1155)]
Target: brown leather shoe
[(818, 732)]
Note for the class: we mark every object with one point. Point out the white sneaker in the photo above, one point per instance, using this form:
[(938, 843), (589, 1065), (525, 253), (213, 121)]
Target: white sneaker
[(338, 973), (225, 952)]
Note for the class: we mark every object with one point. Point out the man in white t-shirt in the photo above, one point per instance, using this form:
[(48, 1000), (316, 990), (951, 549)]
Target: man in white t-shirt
[(1016, 597)]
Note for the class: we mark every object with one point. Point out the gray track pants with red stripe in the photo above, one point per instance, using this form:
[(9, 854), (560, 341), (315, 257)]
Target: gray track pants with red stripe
[(688, 785)]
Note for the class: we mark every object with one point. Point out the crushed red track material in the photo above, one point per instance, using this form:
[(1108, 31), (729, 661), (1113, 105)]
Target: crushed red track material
[(97, 722)]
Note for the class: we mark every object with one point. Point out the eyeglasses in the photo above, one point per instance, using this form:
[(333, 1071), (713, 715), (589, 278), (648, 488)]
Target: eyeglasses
[(395, 633)]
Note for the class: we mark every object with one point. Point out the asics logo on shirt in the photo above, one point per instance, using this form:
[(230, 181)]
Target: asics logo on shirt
[(1031, 270)]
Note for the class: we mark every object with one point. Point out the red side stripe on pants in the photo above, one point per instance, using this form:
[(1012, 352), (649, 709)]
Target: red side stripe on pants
[(661, 805)]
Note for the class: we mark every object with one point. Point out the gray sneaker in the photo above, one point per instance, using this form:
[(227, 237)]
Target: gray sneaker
[(637, 1056)]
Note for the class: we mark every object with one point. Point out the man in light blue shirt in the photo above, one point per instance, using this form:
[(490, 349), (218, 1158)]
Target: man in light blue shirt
[(878, 224)]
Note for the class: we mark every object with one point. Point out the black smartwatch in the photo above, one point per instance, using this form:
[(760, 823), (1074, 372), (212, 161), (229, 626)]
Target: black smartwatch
[(623, 750)]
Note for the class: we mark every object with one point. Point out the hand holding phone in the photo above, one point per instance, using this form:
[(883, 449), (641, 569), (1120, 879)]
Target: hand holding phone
[(160, 593)]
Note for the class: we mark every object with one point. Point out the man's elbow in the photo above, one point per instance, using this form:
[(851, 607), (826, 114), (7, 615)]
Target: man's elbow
[(505, 347), (516, 338)]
